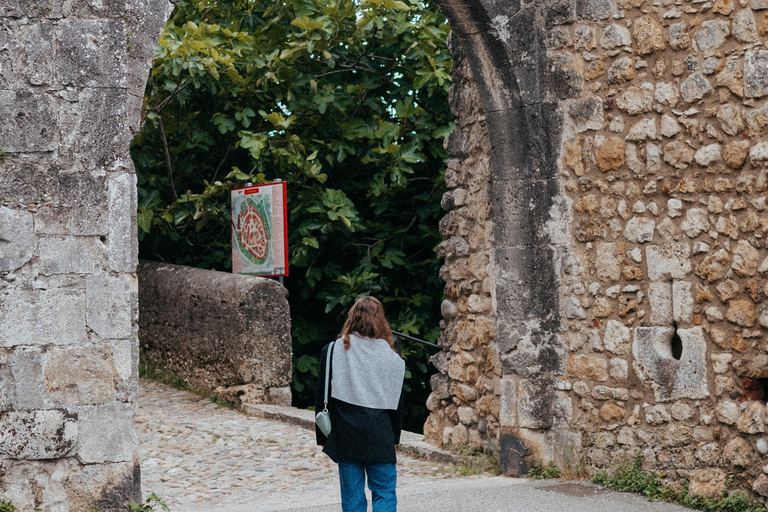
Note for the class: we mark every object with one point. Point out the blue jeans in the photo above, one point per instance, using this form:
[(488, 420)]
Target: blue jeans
[(382, 480)]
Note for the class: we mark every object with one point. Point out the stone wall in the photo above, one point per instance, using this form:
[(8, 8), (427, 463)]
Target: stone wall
[(219, 332), (657, 227), (72, 76)]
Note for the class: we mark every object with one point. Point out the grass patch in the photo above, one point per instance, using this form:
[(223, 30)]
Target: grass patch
[(476, 462), (631, 477), (541, 472), (6, 506)]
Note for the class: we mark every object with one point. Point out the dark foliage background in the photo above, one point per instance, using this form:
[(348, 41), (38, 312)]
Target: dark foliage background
[(346, 101)]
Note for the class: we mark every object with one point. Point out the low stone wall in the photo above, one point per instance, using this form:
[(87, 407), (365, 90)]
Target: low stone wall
[(220, 333)]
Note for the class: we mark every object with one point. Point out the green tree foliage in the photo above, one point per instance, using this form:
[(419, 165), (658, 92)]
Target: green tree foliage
[(346, 101)]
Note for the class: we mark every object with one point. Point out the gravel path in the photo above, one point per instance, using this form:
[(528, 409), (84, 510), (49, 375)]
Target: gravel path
[(201, 456)]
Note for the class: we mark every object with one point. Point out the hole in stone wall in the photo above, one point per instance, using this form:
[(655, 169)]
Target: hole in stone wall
[(676, 344)]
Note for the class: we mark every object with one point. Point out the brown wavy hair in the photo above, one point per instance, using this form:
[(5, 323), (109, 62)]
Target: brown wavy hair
[(366, 318)]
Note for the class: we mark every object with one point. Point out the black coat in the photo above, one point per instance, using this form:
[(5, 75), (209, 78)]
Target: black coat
[(358, 434)]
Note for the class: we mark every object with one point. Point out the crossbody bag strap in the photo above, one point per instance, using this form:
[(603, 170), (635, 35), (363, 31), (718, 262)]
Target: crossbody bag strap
[(327, 374)]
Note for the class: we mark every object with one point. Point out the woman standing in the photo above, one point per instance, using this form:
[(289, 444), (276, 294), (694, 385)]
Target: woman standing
[(365, 405)]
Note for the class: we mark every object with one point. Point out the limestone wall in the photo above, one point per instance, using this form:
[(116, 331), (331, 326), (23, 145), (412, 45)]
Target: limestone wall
[(657, 228), (221, 333), (72, 75)]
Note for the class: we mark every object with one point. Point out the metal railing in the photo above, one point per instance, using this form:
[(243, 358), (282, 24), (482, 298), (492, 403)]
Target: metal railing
[(417, 340)]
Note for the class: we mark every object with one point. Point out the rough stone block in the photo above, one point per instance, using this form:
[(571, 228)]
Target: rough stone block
[(671, 379), (82, 199), (668, 261), (28, 181), (585, 114), (660, 299), (16, 238), (508, 402), (526, 205), (607, 262), (34, 435), (42, 317), (617, 337), (682, 301), (526, 285), (26, 366), (248, 342), (96, 9), (122, 246), (106, 433), (94, 130), (756, 73), (91, 53), (37, 9), (29, 122), (36, 64), (79, 375), (108, 310), (70, 255)]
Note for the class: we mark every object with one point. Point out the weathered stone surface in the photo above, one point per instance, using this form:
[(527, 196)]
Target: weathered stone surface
[(250, 342), (622, 70), (707, 155), (106, 433), (610, 154), (709, 481), (42, 317), (739, 452), (741, 312), (666, 94), (731, 120), (586, 114), (745, 27), (745, 259), (43, 434), (672, 379), (735, 154), (695, 87), (727, 412), (29, 122), (16, 238), (648, 36), (636, 101), (617, 338), (615, 36), (756, 73), (608, 263), (679, 39), (642, 130), (695, 223), (79, 375), (712, 35), (70, 255), (678, 154), (730, 76), (109, 305), (753, 420), (760, 485), (590, 367), (639, 230), (714, 267), (668, 261), (660, 299)]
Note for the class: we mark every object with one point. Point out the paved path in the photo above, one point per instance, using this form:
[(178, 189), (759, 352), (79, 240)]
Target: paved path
[(201, 457)]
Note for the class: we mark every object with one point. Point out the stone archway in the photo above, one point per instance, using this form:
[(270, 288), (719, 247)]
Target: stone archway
[(504, 47), (72, 79)]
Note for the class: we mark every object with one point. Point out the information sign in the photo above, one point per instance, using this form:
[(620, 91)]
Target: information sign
[(260, 230)]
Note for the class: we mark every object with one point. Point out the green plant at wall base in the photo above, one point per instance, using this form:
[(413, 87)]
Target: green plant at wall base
[(541, 472), (149, 504), (345, 101), (476, 462), (630, 477), (6, 506)]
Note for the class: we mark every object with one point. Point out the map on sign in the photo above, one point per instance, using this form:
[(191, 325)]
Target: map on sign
[(259, 230)]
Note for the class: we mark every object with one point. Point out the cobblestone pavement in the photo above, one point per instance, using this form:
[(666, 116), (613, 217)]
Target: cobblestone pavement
[(201, 456)]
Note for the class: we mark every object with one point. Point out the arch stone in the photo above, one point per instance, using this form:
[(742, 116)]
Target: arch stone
[(72, 78), (504, 46)]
